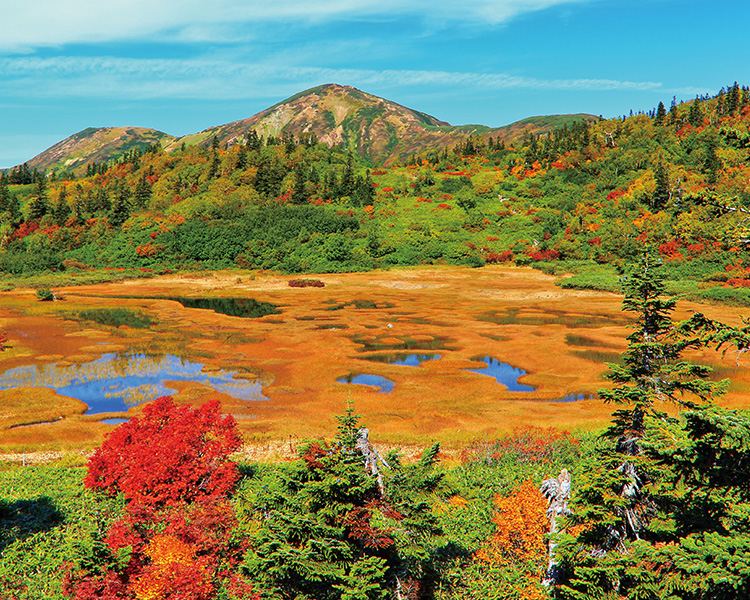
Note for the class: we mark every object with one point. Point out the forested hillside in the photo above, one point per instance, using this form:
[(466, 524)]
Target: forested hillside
[(584, 198)]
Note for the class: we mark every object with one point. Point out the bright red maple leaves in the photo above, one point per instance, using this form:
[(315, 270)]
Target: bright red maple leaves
[(172, 454), (177, 537)]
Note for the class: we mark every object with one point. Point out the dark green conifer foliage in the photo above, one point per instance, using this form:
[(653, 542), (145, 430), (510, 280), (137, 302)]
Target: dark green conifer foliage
[(142, 195), (712, 162), (299, 194), (4, 193), (121, 205), (661, 114), (695, 115), (326, 531), (662, 193), (62, 210), (39, 205), (620, 502)]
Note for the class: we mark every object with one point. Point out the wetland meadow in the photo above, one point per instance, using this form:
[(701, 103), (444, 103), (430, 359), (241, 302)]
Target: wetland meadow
[(449, 354)]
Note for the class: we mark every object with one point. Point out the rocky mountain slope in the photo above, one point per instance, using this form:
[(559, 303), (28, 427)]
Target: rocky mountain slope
[(376, 130)]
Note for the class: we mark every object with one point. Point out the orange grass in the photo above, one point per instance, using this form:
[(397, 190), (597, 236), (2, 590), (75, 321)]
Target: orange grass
[(302, 351)]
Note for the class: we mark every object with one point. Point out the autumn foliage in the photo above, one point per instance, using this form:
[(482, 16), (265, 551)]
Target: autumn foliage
[(176, 538), (172, 454), (519, 538)]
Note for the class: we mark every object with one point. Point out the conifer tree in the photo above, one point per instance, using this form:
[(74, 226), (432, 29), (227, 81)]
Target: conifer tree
[(618, 505), (661, 192), (38, 207), (62, 211), (661, 114), (142, 195)]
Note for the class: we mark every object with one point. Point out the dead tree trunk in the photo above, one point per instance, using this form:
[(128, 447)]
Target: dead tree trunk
[(557, 493)]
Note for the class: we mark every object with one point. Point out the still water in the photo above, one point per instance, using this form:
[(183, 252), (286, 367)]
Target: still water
[(115, 382)]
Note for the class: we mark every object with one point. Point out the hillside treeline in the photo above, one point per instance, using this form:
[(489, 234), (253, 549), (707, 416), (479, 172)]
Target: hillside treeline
[(585, 198)]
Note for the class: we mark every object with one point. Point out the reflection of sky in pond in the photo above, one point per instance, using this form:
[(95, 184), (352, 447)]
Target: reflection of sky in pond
[(409, 360), (114, 382), (386, 385), (503, 373), (114, 421), (574, 398)]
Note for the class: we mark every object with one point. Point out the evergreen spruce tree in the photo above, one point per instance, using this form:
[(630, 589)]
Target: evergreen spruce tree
[(619, 506), (4, 193), (695, 115), (39, 205), (121, 205), (299, 194), (325, 529), (62, 211), (712, 163), (661, 114), (142, 195), (662, 193)]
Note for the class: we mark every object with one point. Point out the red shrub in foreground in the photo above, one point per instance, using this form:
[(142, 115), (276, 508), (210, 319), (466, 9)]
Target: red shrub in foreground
[(171, 454), (177, 537)]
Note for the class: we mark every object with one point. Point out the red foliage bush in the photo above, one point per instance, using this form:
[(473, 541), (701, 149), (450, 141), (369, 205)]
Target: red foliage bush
[(445, 206), (544, 255), (498, 257), (24, 229), (172, 454)]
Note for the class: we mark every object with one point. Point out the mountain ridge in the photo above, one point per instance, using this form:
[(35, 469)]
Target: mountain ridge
[(377, 130)]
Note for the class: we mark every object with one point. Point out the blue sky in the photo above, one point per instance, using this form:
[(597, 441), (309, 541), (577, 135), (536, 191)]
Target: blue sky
[(183, 65)]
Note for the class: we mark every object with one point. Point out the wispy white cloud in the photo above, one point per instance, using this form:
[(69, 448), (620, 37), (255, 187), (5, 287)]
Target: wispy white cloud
[(31, 24), (210, 79)]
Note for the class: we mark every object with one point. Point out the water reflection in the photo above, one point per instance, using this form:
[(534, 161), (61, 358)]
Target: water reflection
[(248, 308), (386, 385), (402, 358), (115, 382), (503, 373)]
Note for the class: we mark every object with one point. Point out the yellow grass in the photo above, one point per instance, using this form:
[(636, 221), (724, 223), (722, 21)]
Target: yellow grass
[(560, 337)]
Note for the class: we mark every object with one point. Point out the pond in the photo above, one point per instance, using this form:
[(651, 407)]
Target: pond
[(386, 385), (248, 308), (504, 373), (402, 358), (389, 342), (575, 398), (115, 382)]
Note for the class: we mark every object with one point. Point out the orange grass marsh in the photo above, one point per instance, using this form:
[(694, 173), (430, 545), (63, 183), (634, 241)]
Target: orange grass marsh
[(560, 338)]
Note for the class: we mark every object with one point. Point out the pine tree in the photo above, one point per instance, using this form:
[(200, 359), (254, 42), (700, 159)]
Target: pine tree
[(618, 506), (38, 207), (299, 195), (142, 195), (121, 205), (326, 530), (62, 211), (661, 114), (4, 193), (695, 115), (662, 193), (712, 162)]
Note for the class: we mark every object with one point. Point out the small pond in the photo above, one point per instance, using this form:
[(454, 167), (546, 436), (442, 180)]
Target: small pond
[(574, 398), (386, 385), (234, 307), (400, 342), (402, 358), (504, 373), (115, 382)]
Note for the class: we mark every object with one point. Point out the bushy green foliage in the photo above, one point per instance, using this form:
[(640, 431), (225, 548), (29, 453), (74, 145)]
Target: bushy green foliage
[(47, 520), (661, 509)]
